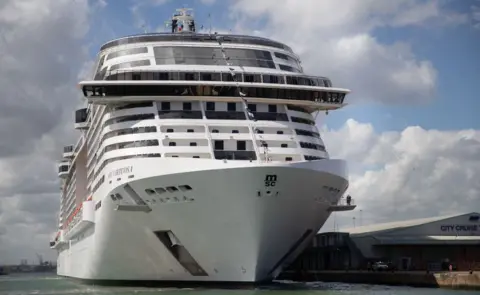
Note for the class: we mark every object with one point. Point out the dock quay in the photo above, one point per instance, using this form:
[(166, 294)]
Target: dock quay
[(452, 280), (438, 251)]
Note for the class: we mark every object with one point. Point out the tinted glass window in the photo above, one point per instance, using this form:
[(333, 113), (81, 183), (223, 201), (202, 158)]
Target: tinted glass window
[(286, 57), (130, 64), (210, 106), (288, 68), (212, 56), (127, 52), (187, 106)]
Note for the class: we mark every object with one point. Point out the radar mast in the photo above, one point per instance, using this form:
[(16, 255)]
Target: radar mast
[(183, 21)]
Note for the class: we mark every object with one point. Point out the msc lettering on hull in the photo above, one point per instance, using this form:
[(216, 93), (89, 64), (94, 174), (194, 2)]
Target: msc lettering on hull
[(459, 227), (270, 180), (120, 171)]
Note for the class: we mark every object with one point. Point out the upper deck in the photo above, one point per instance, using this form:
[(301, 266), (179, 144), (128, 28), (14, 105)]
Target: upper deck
[(192, 37), (183, 29), (165, 64)]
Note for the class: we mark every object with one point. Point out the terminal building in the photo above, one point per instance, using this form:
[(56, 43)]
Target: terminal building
[(421, 244)]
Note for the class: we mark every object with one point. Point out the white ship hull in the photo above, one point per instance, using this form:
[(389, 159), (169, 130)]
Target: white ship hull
[(233, 234)]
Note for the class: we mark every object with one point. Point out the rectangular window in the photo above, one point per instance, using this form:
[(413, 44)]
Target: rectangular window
[(187, 106), (252, 107), (210, 106), (165, 105), (272, 108), (241, 145), (232, 107), (206, 77), (227, 77), (218, 145), (252, 78)]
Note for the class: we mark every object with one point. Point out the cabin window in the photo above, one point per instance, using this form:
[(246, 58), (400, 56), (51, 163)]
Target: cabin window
[(272, 108), (165, 105), (241, 145), (232, 107), (218, 144), (187, 106), (210, 106), (171, 189)]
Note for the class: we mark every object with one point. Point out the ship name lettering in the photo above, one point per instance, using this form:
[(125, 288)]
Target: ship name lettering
[(120, 171)]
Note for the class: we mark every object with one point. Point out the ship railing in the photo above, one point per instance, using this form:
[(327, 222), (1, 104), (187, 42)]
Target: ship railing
[(344, 204), (234, 155), (298, 79)]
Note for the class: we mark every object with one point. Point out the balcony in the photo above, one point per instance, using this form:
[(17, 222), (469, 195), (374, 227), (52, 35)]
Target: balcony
[(63, 168), (235, 155), (68, 151), (344, 204), (81, 119)]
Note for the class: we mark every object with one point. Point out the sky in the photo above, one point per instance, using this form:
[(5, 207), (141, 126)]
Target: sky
[(410, 131)]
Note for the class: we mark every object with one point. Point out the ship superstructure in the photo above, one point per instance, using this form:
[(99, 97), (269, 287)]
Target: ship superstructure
[(199, 160)]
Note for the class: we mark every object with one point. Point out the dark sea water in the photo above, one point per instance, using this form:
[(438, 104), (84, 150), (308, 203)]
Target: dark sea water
[(38, 284)]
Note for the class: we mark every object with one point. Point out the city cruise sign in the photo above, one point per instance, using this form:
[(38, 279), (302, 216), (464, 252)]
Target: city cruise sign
[(460, 228)]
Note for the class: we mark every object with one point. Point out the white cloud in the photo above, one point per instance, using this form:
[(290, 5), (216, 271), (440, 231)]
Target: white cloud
[(476, 15), (41, 52), (137, 10), (338, 41), (419, 172)]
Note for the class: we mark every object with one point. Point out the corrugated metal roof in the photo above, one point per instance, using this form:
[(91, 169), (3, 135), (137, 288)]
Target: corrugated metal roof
[(383, 227)]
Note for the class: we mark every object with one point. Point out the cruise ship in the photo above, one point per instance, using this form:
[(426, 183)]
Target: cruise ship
[(198, 160)]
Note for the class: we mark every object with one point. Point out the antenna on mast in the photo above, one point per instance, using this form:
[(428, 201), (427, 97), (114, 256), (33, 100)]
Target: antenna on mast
[(210, 23)]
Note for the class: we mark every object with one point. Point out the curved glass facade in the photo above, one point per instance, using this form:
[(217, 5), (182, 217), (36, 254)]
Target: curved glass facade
[(212, 56), (208, 38), (130, 51)]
